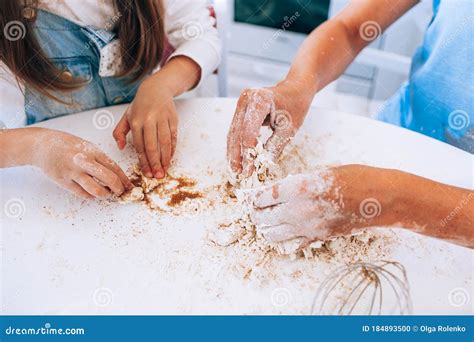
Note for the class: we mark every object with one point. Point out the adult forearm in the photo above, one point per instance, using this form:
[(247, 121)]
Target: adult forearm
[(439, 210), (323, 57), (375, 197), (329, 49)]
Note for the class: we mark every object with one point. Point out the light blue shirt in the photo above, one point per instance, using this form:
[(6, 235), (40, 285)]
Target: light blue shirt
[(438, 98)]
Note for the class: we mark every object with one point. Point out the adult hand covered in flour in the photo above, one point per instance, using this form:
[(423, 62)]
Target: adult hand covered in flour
[(300, 208), (324, 204), (79, 165), (284, 105), (342, 200)]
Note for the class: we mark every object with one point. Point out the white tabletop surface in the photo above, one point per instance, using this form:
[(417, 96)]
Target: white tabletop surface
[(61, 255)]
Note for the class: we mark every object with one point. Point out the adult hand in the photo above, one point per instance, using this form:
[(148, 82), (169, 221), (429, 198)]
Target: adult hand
[(320, 205), (79, 165), (286, 105)]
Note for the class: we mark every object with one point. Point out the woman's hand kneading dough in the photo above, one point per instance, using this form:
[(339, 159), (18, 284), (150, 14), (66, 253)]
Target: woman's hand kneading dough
[(283, 107)]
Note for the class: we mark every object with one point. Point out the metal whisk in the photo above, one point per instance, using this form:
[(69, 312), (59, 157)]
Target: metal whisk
[(366, 289)]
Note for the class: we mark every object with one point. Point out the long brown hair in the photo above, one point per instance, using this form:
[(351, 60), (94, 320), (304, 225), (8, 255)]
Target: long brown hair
[(140, 29)]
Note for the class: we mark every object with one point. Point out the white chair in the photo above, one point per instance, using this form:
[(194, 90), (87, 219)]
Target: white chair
[(221, 9)]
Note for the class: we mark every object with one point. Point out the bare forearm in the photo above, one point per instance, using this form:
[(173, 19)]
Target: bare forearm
[(322, 58), (400, 199), (329, 49), (179, 75), (439, 210), (18, 145)]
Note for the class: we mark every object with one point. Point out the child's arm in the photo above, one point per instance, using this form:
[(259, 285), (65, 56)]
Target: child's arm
[(322, 58), (152, 116), (73, 163)]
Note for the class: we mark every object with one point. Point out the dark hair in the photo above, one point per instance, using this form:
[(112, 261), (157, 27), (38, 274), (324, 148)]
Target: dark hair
[(140, 29)]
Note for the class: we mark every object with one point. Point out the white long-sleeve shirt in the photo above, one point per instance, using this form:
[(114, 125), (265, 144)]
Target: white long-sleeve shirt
[(188, 27)]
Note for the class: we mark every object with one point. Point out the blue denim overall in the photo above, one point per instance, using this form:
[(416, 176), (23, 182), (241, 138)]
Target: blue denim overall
[(76, 51)]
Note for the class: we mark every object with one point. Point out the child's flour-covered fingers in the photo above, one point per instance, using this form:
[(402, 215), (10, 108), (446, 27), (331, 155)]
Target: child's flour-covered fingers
[(173, 125), (164, 136), (90, 185), (75, 188), (152, 149), (121, 131), (105, 176), (78, 190), (104, 160), (139, 144), (108, 178)]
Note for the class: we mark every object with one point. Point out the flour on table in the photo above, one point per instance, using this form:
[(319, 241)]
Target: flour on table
[(173, 194), (266, 171), (238, 232), (232, 238)]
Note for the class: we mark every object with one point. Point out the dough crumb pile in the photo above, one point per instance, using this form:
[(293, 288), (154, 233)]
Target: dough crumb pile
[(242, 230), (168, 194)]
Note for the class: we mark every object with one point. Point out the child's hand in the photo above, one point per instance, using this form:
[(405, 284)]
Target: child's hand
[(153, 121), (79, 165)]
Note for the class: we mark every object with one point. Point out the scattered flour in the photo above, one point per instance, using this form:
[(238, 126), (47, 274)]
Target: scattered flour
[(230, 230), (252, 254)]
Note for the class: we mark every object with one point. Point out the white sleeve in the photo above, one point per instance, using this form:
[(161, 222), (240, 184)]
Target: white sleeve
[(190, 30), (12, 100)]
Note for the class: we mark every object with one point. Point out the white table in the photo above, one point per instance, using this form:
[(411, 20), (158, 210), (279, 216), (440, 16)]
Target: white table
[(61, 255)]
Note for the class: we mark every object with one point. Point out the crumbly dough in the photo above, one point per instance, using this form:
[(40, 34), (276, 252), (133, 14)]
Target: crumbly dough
[(265, 170), (136, 194), (242, 229), (227, 235)]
